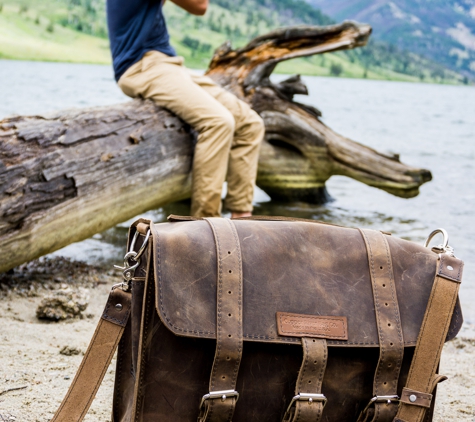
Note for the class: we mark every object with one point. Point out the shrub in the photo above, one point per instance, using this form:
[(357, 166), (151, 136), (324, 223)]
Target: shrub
[(336, 69), (50, 27), (193, 43), (205, 47)]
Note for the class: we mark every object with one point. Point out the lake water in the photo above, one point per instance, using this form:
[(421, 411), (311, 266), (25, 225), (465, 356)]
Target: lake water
[(431, 126)]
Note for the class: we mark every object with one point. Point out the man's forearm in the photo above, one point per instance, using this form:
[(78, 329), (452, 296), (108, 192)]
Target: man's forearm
[(195, 7)]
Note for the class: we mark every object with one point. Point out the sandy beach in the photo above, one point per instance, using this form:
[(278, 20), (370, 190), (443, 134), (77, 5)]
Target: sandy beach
[(39, 359)]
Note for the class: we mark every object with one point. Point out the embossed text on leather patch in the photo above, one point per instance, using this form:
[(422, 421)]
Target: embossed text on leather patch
[(298, 325)]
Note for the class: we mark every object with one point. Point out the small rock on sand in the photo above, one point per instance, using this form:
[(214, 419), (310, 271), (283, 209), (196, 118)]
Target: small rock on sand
[(63, 304)]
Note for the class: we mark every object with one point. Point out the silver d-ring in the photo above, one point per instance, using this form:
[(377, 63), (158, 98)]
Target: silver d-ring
[(445, 241)]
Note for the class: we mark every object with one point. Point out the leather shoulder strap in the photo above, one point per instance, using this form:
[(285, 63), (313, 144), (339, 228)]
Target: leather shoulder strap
[(98, 356), (417, 395)]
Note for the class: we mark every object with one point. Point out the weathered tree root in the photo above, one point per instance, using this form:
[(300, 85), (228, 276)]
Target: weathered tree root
[(69, 175)]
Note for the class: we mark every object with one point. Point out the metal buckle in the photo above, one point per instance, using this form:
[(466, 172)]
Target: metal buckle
[(305, 397), (444, 246), (381, 399), (223, 395)]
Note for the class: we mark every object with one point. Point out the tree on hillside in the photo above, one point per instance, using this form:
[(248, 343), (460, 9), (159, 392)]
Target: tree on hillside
[(336, 69)]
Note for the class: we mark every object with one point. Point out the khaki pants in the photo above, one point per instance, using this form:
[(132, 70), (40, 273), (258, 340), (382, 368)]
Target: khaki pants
[(229, 131)]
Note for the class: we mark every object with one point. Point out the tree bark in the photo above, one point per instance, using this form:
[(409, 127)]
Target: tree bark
[(69, 175)]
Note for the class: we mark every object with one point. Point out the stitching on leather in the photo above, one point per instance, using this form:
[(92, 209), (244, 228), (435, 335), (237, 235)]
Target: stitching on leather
[(162, 306), (118, 380), (231, 410), (144, 339), (456, 320), (324, 364), (219, 304), (304, 365), (298, 412), (240, 299)]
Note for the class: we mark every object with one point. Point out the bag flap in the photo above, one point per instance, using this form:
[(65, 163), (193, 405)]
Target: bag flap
[(301, 268)]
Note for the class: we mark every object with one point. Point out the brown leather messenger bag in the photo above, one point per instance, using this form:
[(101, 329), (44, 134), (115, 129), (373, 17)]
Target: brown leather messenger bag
[(272, 319)]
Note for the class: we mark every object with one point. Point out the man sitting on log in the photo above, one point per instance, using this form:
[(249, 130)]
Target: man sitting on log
[(229, 131)]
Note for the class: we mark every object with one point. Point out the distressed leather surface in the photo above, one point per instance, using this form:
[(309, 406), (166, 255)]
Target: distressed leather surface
[(166, 354), (296, 267), (175, 375)]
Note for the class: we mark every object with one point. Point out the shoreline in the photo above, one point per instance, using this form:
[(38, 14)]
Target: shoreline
[(36, 371), (284, 69)]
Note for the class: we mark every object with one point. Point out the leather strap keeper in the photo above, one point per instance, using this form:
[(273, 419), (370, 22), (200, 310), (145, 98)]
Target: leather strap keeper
[(450, 268), (415, 398), (143, 228), (117, 308)]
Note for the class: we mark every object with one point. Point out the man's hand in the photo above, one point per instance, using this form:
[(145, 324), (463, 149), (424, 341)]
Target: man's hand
[(195, 7)]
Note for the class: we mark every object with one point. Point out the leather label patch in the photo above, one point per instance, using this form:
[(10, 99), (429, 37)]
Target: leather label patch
[(297, 325)]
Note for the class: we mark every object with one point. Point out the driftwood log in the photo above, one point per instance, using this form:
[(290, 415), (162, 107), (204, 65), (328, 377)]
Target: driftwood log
[(69, 175)]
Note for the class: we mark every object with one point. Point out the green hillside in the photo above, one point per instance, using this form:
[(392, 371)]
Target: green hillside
[(34, 34), (76, 31)]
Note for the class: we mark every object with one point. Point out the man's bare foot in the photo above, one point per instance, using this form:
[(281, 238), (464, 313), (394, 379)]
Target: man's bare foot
[(241, 214)]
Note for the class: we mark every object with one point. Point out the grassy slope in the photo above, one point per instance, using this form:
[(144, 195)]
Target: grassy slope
[(23, 39), (25, 36)]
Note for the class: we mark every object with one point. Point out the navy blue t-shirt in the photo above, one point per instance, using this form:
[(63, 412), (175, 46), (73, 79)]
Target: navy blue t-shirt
[(135, 27)]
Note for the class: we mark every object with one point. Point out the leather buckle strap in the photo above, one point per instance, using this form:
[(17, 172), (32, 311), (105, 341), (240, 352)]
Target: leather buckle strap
[(218, 404), (388, 320), (308, 406)]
